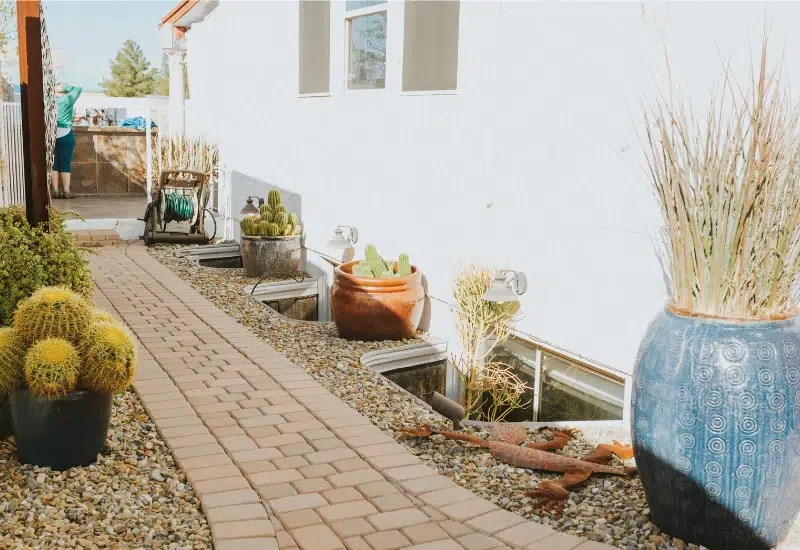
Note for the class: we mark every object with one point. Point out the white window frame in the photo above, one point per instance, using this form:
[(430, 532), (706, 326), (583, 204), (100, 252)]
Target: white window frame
[(539, 347), (349, 15)]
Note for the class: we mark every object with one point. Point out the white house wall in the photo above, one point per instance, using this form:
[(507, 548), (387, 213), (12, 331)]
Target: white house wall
[(534, 164)]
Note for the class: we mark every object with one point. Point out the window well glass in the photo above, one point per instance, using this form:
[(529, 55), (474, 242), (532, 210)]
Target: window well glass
[(358, 4), (367, 52)]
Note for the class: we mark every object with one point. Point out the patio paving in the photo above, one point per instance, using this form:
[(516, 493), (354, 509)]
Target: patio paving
[(276, 459), (93, 207)]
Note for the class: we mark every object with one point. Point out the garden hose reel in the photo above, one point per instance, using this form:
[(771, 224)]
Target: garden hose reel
[(180, 196)]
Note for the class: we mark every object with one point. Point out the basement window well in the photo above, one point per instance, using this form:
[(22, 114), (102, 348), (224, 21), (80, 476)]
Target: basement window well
[(562, 389)]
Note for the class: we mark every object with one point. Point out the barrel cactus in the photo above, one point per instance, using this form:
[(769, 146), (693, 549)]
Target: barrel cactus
[(249, 226), (12, 359), (103, 317), (274, 198), (51, 368), (109, 359), (293, 220), (53, 312)]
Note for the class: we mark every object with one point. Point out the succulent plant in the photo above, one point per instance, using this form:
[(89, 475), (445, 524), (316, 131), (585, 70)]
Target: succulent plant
[(274, 198), (375, 266), (102, 317), (109, 359), (53, 312), (293, 220), (249, 226), (51, 368), (12, 359)]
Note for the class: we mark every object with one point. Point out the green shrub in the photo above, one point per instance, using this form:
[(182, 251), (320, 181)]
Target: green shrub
[(33, 257)]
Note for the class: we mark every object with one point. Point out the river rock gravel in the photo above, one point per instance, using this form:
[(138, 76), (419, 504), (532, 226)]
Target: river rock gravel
[(133, 497), (608, 509)]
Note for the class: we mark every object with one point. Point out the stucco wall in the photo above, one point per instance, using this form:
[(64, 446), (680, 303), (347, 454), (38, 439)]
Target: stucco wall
[(534, 164)]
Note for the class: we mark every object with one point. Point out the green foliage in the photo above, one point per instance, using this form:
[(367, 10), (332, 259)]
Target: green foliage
[(109, 358), (274, 198), (131, 73), (53, 312), (249, 226), (33, 257), (375, 266), (51, 368), (12, 359), (293, 219)]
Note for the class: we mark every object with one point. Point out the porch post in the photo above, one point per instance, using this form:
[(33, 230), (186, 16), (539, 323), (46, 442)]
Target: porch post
[(34, 145), (177, 95)]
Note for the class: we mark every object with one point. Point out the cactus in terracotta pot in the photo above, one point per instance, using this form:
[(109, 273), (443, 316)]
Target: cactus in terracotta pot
[(375, 266)]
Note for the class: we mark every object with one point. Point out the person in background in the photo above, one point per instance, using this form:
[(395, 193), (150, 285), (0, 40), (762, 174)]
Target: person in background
[(65, 139)]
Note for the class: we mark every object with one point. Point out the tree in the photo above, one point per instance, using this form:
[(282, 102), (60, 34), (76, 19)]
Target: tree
[(8, 25), (131, 73)]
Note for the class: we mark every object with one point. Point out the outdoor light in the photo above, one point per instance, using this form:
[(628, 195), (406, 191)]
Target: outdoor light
[(249, 209), (506, 286), (339, 241)]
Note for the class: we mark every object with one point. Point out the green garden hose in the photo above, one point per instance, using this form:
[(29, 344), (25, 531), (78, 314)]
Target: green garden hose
[(177, 208)]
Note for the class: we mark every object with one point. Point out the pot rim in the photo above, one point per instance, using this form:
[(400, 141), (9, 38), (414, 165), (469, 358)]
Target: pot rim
[(71, 396), (672, 310), (377, 284), (268, 238)]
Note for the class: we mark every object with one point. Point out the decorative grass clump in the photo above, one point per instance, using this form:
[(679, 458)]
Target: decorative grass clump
[(109, 358), (53, 312), (51, 368), (12, 360), (727, 185)]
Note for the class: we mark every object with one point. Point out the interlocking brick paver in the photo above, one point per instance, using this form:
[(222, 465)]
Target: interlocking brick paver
[(248, 426)]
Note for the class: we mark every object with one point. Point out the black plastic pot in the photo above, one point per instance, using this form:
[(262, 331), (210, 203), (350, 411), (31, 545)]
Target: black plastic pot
[(60, 433), (6, 424)]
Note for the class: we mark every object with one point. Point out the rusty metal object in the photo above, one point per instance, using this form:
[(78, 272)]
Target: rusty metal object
[(372, 308), (508, 433), (263, 255)]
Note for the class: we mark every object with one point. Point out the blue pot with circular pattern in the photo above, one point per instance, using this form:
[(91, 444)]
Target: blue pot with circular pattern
[(715, 429)]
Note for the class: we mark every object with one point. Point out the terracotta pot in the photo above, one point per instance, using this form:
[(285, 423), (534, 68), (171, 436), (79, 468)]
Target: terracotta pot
[(369, 308), (265, 255)]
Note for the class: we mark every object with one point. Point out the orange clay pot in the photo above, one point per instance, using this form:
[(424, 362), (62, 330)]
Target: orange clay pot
[(370, 308)]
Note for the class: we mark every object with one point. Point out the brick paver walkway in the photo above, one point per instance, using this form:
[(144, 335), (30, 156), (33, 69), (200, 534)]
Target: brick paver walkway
[(276, 459)]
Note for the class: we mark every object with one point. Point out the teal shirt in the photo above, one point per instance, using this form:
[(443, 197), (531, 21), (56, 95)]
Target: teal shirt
[(65, 104)]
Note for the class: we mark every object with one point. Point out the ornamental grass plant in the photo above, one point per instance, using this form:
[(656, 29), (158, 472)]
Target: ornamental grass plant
[(727, 185)]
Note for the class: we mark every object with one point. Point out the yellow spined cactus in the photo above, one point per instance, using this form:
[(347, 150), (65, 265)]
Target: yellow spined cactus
[(109, 359), (51, 368), (53, 312), (103, 317), (12, 359)]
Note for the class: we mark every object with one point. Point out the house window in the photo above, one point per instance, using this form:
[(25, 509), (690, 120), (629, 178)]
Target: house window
[(366, 38), (314, 54), (562, 389), (430, 45)]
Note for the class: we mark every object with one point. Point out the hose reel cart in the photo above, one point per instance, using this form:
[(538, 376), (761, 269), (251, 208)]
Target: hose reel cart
[(180, 196)]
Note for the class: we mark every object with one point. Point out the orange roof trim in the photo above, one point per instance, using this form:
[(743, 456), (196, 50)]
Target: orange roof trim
[(179, 11)]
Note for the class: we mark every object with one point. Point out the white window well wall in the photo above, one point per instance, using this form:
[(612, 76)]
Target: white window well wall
[(366, 24)]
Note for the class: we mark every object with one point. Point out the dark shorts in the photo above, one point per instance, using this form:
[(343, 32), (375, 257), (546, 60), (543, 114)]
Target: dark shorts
[(62, 154)]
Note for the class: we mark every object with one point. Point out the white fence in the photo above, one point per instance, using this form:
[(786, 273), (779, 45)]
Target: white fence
[(12, 175)]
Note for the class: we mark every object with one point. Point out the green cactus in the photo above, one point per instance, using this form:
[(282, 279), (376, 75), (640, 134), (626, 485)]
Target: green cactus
[(362, 270), (274, 198), (298, 229), (51, 368), (404, 265), (288, 230), (12, 360), (374, 260), (102, 317), (293, 220), (280, 208), (266, 212), (53, 312), (109, 359), (249, 226), (273, 230)]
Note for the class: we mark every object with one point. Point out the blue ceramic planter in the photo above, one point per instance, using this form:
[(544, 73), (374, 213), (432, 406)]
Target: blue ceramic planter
[(715, 429)]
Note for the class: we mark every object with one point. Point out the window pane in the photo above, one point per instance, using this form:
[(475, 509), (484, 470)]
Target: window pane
[(367, 52), (358, 4), (572, 392), (430, 45), (314, 55)]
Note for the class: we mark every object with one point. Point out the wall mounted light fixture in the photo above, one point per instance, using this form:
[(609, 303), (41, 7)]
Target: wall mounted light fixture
[(506, 286), (249, 208), (339, 241)]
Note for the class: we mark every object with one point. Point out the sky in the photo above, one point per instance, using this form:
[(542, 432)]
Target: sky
[(86, 34)]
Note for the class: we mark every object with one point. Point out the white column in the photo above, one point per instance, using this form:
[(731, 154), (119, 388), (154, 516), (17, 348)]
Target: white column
[(177, 98)]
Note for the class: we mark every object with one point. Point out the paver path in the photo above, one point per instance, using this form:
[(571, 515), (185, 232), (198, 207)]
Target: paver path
[(276, 459)]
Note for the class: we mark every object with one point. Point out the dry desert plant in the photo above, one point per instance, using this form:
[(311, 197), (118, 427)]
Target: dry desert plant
[(727, 185), (482, 326)]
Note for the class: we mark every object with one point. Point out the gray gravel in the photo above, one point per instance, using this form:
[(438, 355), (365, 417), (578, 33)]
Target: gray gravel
[(608, 509), (134, 496)]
